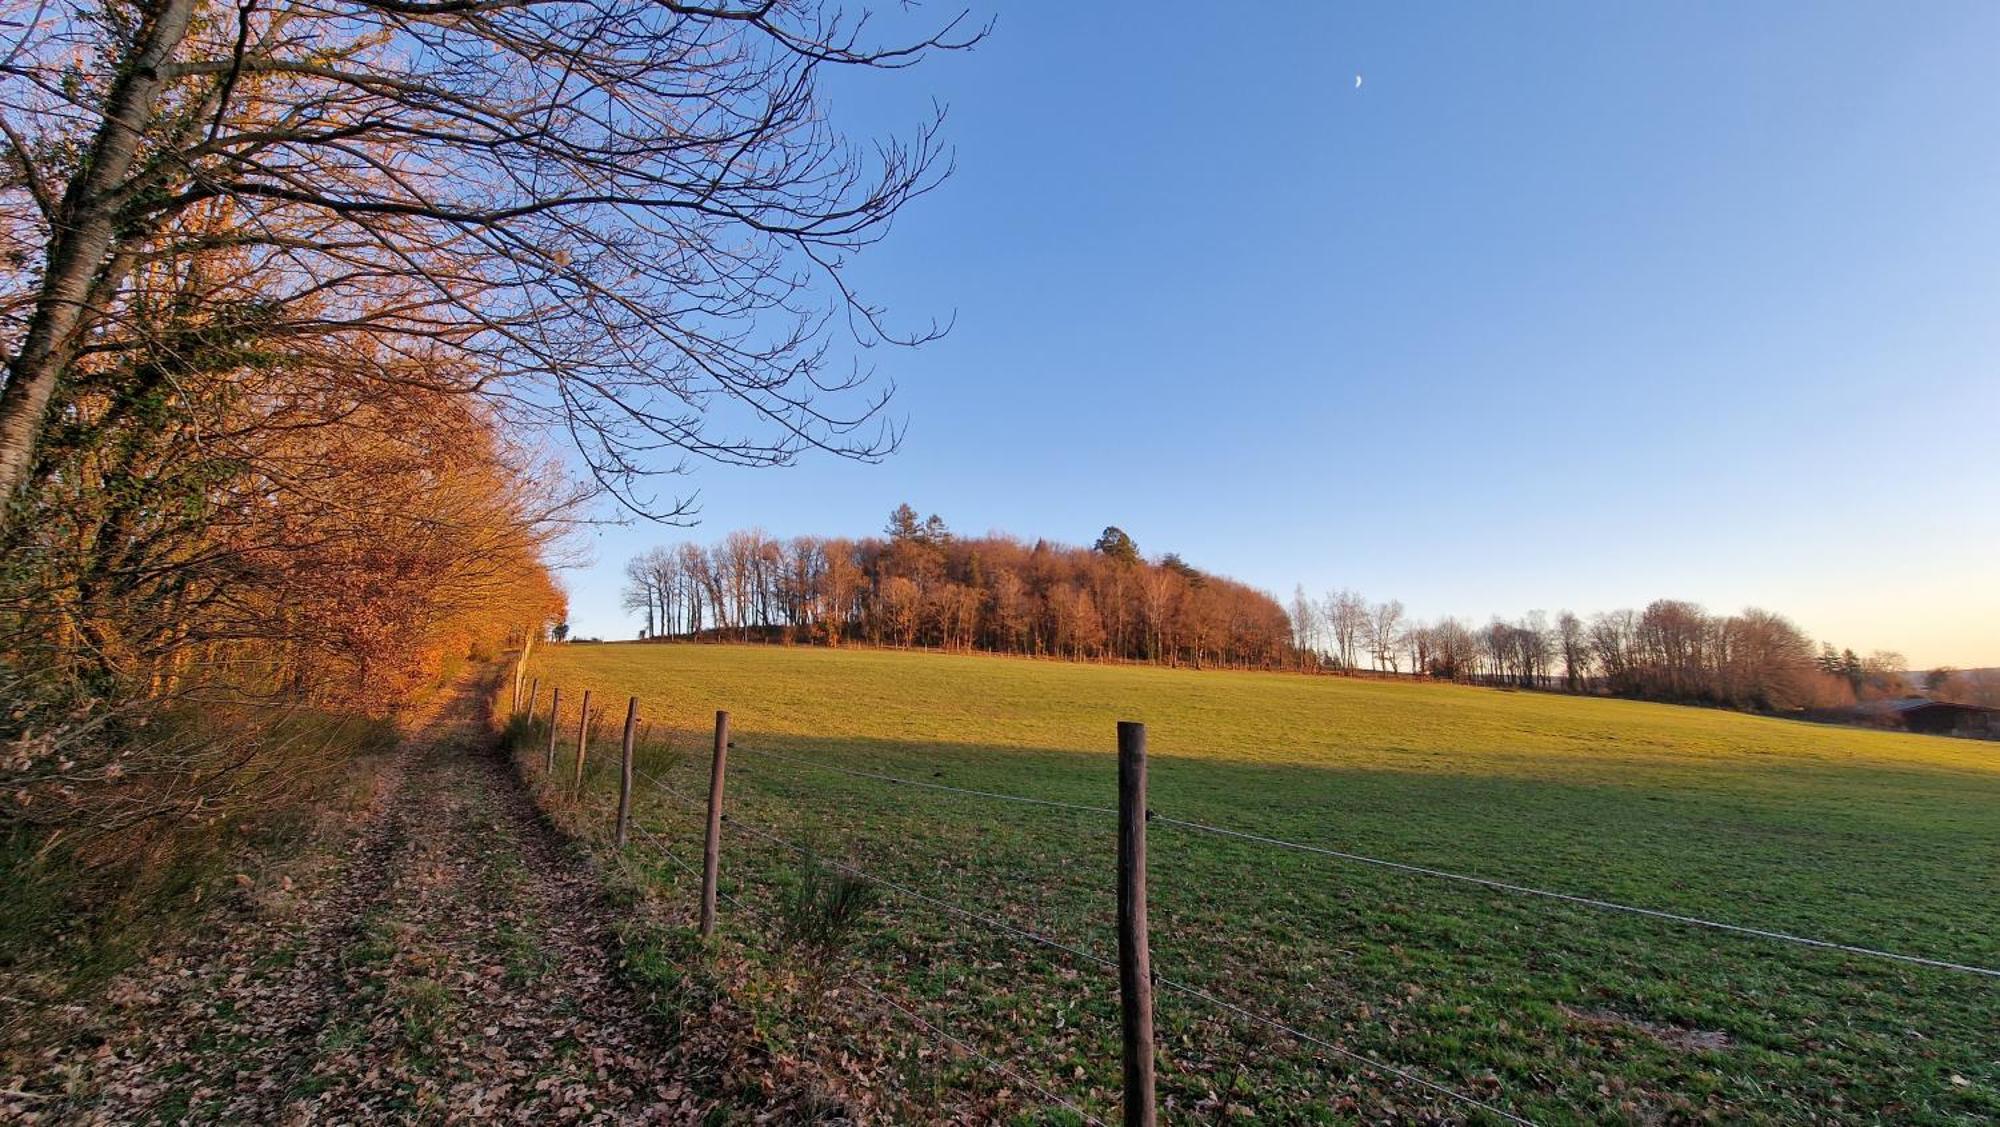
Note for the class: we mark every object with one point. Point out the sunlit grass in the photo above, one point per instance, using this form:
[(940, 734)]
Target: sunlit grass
[(1560, 1012)]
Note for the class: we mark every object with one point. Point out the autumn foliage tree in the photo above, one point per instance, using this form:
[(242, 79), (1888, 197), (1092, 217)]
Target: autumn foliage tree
[(216, 506), (922, 585), (292, 291)]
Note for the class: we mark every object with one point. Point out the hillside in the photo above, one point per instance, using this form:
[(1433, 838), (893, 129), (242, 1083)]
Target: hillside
[(1557, 1011)]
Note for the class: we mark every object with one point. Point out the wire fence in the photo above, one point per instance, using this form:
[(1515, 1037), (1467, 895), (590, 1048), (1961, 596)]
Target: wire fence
[(938, 1034), (1015, 933), (1159, 819)]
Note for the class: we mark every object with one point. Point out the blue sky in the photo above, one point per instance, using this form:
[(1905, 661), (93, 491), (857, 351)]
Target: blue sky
[(1569, 305)]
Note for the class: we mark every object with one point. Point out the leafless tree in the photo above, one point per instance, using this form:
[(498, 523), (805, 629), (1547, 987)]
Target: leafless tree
[(1454, 650), (1674, 640), (698, 586), (641, 594), (629, 220), (1886, 673), (1161, 591), (1305, 626), (1762, 661), (1970, 686), (899, 605), (1537, 644), (1573, 641), (1346, 621), (653, 582), (1385, 633), (1496, 649), (1614, 643)]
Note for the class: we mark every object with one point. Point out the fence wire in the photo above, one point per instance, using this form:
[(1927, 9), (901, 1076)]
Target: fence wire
[(924, 898), (938, 1034), (1346, 1053), (1017, 932), (1488, 883), (899, 781), (967, 1049), (1571, 898)]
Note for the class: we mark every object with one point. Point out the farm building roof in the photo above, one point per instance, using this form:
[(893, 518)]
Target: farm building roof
[(1902, 706)]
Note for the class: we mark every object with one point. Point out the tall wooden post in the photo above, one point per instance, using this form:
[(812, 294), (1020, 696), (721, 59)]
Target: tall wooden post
[(534, 694), (625, 773), (521, 666), (555, 710), (582, 738), (515, 709), (1135, 959), (711, 854)]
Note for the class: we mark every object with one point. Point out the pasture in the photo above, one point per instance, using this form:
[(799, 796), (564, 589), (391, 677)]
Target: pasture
[(1554, 1011)]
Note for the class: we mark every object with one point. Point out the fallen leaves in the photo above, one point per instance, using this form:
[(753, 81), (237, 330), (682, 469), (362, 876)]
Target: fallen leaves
[(384, 992)]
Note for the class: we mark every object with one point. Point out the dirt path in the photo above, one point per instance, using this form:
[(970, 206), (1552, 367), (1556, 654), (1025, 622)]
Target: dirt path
[(454, 967)]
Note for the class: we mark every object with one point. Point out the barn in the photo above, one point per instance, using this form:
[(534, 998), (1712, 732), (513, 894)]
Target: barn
[(1936, 717)]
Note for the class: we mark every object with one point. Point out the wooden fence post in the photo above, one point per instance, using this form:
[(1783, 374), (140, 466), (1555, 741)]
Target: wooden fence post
[(521, 667), (555, 710), (1135, 959), (582, 738), (711, 854), (625, 773), (534, 694)]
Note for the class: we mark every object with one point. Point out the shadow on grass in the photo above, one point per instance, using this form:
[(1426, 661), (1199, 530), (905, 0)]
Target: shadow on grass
[(1485, 990)]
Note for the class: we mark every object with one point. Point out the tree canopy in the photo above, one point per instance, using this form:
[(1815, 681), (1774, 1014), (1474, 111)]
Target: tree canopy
[(626, 220), (923, 587)]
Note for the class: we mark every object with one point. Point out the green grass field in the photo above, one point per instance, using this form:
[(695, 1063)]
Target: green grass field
[(1559, 1013)]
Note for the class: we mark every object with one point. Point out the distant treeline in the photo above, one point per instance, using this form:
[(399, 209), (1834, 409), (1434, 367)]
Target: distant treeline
[(1670, 651), (919, 584)]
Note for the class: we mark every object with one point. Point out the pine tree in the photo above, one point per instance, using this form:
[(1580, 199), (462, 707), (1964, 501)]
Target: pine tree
[(903, 524), (1117, 545)]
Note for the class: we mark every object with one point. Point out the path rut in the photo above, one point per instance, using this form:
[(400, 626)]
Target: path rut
[(457, 966)]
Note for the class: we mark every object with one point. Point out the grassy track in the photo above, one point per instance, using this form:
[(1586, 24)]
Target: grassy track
[(1560, 1013)]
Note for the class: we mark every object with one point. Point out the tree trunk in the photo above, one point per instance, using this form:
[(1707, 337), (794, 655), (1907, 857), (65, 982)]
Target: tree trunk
[(80, 238)]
